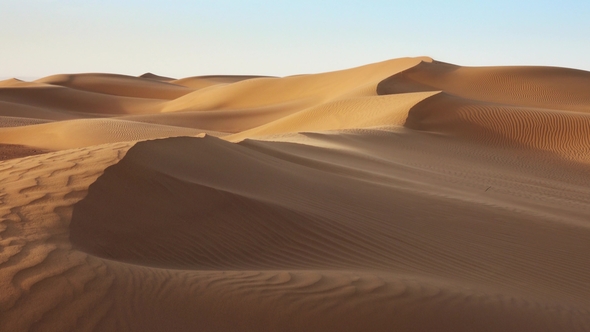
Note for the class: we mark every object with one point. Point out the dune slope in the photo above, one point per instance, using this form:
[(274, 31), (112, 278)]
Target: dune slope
[(406, 195), (118, 85), (307, 211)]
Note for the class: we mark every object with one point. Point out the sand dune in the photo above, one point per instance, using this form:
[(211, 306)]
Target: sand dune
[(227, 121), (88, 132), (199, 82), (407, 195), (342, 114), (525, 106), (562, 132), (540, 87), (118, 85), (11, 82), (63, 99), (9, 151), (296, 92), (157, 77), (13, 121), (34, 113)]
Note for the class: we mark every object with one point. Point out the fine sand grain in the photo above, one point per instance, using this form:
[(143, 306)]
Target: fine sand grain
[(406, 195)]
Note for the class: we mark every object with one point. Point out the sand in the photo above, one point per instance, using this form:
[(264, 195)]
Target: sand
[(406, 195)]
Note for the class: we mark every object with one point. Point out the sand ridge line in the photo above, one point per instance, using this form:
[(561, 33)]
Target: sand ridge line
[(561, 132), (408, 194), (118, 85), (273, 211), (537, 87)]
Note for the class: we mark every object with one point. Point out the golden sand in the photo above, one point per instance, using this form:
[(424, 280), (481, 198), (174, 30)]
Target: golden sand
[(406, 195)]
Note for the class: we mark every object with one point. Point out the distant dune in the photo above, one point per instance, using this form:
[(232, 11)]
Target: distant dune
[(406, 195)]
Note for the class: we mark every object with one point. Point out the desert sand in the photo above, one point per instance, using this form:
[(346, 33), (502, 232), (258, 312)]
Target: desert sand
[(406, 195)]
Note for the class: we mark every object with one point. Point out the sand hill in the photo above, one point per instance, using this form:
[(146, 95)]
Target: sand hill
[(406, 195)]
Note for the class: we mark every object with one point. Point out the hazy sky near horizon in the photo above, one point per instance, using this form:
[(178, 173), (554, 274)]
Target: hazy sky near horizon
[(185, 38)]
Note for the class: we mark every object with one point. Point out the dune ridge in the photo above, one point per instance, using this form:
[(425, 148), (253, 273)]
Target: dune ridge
[(407, 195), (535, 107), (540, 87), (240, 225), (564, 133), (118, 85)]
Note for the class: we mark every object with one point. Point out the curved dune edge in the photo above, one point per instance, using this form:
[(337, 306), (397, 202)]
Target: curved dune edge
[(305, 259), (409, 194), (537, 87), (118, 85), (90, 109), (308, 90), (155, 77), (246, 237), (560, 132), (360, 112), (539, 108)]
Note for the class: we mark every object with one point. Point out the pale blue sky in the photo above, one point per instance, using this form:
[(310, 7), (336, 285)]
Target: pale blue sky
[(184, 38)]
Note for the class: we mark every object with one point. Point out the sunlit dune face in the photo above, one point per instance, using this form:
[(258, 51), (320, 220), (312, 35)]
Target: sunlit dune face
[(405, 195)]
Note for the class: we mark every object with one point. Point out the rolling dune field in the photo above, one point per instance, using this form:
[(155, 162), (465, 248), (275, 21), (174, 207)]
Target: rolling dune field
[(406, 195)]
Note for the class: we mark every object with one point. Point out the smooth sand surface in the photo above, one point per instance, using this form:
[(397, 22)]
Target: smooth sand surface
[(406, 195)]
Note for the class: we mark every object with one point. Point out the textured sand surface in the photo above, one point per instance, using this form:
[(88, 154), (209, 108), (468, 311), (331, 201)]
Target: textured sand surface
[(407, 195)]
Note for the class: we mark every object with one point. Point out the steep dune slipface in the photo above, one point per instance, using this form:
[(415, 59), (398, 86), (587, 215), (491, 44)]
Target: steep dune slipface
[(10, 82), (207, 205), (407, 195), (538, 108), (295, 91), (155, 77), (564, 133), (538, 87), (349, 113)]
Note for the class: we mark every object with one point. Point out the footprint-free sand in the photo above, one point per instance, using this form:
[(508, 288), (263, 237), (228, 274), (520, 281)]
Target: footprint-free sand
[(406, 195)]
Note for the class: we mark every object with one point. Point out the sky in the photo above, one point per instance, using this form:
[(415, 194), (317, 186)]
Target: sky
[(180, 38)]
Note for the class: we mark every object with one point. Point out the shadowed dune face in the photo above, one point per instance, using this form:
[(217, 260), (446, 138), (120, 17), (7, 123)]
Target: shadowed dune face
[(406, 195), (560, 132), (296, 92), (218, 105), (155, 77), (182, 203), (538, 87), (539, 108)]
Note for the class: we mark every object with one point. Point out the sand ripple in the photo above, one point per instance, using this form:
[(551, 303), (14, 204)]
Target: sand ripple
[(406, 195)]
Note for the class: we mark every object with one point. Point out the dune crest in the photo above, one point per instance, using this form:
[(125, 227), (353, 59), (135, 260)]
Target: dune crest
[(534, 107), (199, 82), (407, 195), (118, 85), (156, 77), (11, 82), (538, 87)]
